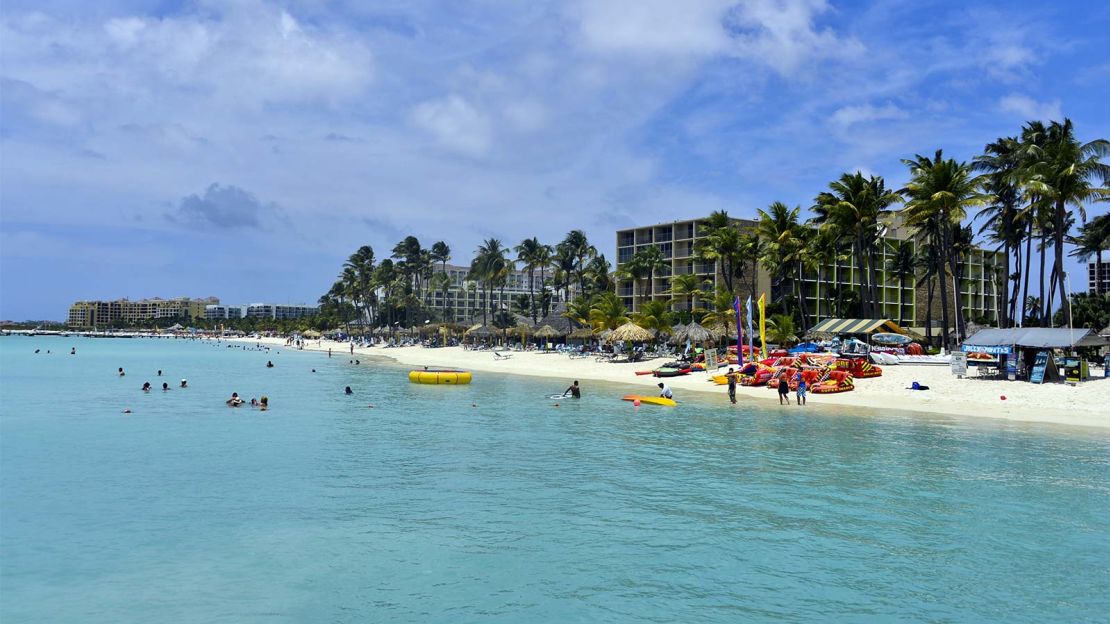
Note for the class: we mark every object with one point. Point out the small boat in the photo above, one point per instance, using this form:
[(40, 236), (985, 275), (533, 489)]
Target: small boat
[(654, 400), (667, 371), (440, 377)]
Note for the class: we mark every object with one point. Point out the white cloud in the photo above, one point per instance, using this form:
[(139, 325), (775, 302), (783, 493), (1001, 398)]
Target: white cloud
[(456, 124), (848, 115), (778, 33), (1027, 108), (242, 55), (782, 34), (653, 27)]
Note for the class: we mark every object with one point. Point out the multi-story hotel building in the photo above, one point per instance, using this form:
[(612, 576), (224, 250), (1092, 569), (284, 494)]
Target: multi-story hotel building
[(1098, 276), (273, 311), (104, 313), (900, 300), (464, 299)]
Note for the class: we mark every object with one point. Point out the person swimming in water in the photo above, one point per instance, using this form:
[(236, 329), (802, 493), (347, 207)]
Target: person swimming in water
[(159, 372), (146, 386), (121, 373), (263, 404), (348, 390), (165, 387), (184, 383), (269, 364), (234, 401), (573, 390)]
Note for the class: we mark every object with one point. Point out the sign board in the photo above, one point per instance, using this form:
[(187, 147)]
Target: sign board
[(1039, 366), (959, 364), (1011, 368), (994, 350), (710, 360)]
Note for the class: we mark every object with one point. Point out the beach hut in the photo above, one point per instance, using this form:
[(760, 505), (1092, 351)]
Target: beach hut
[(696, 333)]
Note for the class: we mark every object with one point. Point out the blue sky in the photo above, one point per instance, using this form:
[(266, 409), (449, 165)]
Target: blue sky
[(243, 149)]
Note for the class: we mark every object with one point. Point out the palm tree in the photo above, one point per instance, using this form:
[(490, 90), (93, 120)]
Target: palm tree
[(856, 205), (825, 248), (529, 256), (720, 310), (563, 262), (649, 260), (1063, 173), (778, 226), (362, 264), (780, 330), (653, 315), (578, 311), (607, 312), (543, 259), (939, 194), (598, 274), (724, 246), (690, 286), (489, 269), (1093, 239), (902, 266), (752, 247), (577, 247), (1005, 221)]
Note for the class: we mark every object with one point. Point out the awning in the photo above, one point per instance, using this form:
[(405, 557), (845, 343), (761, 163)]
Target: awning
[(857, 326), (1035, 338)]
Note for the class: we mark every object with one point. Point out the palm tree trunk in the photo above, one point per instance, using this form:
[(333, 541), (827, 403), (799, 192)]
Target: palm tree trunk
[(1065, 305), (1044, 249), (940, 270), (901, 300), (1027, 273), (801, 299)]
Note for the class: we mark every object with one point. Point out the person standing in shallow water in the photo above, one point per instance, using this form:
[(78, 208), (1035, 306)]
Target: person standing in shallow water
[(574, 390), (784, 389), (731, 376)]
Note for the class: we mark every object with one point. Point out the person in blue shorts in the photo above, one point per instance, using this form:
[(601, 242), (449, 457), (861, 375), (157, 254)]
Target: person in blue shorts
[(801, 391)]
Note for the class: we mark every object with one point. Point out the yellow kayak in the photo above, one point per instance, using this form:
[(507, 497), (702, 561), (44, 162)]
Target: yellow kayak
[(445, 377), (654, 400)]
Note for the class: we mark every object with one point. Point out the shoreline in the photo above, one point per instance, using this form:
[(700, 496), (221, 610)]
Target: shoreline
[(968, 397)]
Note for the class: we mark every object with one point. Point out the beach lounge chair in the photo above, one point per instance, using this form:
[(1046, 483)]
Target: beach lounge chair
[(501, 356)]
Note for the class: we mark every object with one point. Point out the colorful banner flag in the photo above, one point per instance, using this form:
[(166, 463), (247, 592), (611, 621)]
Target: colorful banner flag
[(739, 332), (763, 324), (751, 339)]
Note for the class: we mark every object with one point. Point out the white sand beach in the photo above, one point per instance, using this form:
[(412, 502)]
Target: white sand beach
[(1086, 405)]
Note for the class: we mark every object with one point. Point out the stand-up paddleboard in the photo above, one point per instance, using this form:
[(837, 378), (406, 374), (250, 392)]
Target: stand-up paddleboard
[(654, 400)]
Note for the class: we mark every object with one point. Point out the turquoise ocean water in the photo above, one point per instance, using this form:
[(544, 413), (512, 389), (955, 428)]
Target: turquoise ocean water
[(487, 504)]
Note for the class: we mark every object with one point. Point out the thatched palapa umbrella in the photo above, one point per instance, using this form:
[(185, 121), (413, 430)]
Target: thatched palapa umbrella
[(695, 333), (548, 331), (631, 332)]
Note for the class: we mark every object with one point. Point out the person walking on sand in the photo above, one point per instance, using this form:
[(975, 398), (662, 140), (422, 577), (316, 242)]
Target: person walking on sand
[(731, 377), (784, 389), (574, 390)]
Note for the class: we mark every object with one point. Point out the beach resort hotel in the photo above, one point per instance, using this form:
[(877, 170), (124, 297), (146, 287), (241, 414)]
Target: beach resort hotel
[(89, 314), (462, 301), (93, 314), (903, 301)]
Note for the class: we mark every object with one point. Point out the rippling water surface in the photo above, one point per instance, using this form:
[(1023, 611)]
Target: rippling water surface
[(487, 504)]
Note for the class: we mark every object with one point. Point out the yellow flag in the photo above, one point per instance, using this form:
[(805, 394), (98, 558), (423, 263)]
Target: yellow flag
[(763, 324)]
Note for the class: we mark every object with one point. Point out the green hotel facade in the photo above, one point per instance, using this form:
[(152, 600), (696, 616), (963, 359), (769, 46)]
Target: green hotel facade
[(904, 302)]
